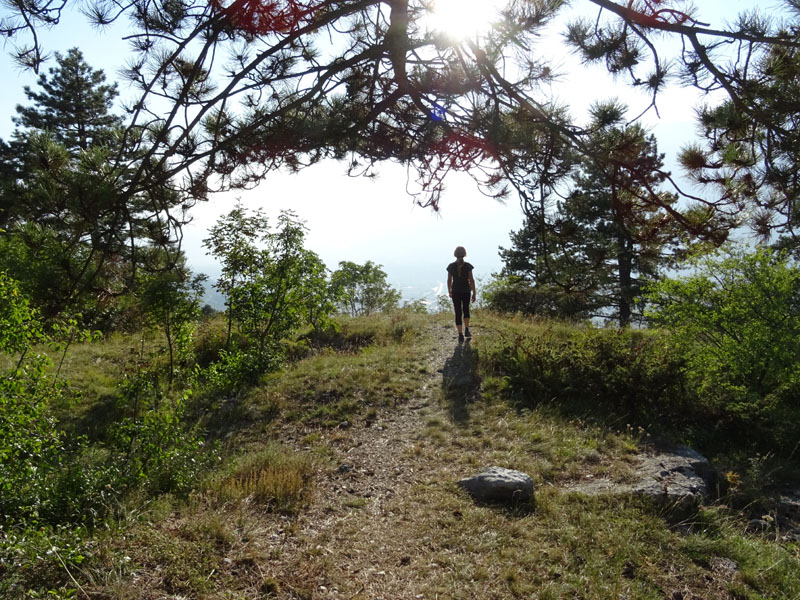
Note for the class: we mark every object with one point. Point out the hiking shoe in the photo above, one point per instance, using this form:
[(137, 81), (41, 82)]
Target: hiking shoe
[(460, 337), (467, 332)]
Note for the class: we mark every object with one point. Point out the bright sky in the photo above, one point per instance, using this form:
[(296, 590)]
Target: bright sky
[(358, 219)]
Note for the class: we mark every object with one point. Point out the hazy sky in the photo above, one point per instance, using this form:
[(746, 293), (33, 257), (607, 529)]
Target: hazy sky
[(358, 219)]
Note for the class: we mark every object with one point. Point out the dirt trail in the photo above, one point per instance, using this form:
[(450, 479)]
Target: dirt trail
[(357, 538)]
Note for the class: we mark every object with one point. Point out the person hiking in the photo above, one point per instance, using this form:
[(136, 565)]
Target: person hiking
[(461, 287)]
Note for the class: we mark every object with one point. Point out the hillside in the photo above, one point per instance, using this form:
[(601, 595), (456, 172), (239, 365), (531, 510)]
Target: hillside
[(336, 479)]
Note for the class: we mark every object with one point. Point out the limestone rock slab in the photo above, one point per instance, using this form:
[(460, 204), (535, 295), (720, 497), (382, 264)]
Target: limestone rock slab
[(498, 484)]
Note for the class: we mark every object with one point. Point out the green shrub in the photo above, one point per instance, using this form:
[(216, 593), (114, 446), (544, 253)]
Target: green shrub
[(512, 294), (32, 450), (48, 477), (232, 371), (34, 559), (622, 373), (151, 447), (157, 453), (634, 372), (736, 318), (415, 306)]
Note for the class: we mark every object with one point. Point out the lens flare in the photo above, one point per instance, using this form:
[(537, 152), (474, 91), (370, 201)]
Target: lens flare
[(463, 19)]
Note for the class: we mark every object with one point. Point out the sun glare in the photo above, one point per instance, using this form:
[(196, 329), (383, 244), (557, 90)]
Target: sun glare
[(462, 19)]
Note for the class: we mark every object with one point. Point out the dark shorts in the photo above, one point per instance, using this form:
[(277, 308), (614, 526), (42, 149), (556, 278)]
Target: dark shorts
[(461, 305)]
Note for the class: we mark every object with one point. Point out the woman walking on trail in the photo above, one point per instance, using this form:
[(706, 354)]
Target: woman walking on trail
[(461, 287)]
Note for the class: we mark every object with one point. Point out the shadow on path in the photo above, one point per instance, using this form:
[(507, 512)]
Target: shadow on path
[(460, 381)]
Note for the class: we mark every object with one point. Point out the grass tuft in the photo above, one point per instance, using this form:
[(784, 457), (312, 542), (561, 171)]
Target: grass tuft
[(273, 477)]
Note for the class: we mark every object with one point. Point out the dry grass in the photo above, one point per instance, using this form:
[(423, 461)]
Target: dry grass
[(272, 477)]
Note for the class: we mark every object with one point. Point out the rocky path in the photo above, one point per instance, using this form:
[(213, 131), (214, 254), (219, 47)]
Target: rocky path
[(357, 538)]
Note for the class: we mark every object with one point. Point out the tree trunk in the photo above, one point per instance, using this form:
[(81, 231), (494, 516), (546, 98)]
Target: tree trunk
[(168, 333), (624, 261), (624, 267)]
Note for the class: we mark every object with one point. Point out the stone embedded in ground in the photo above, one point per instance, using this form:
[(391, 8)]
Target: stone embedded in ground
[(788, 513), (723, 566), (676, 476), (757, 525), (497, 484)]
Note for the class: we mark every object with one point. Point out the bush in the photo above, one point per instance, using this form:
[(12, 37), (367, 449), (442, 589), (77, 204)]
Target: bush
[(514, 295), (418, 306), (628, 373), (48, 477), (157, 453), (151, 447), (736, 318), (31, 448), (36, 556), (232, 371)]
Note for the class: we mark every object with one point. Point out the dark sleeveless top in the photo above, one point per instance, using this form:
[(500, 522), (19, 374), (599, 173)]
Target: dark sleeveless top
[(460, 283)]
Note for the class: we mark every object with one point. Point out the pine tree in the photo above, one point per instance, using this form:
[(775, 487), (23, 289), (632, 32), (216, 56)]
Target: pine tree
[(73, 104), (607, 236), (622, 232), (64, 195)]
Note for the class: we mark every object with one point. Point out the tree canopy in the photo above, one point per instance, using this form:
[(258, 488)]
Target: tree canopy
[(228, 90), (73, 235)]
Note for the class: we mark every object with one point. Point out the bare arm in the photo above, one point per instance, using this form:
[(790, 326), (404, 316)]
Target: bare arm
[(471, 285), (450, 284)]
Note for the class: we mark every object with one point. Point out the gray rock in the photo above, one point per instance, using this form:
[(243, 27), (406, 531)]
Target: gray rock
[(757, 526), (675, 477), (497, 484), (723, 566), (792, 536), (789, 508)]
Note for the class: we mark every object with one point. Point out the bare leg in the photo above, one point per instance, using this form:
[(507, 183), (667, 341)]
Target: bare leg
[(466, 323)]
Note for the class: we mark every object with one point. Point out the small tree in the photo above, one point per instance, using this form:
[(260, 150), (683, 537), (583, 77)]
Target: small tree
[(362, 289), (279, 286), (171, 300), (443, 303), (272, 283), (233, 241), (318, 297)]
